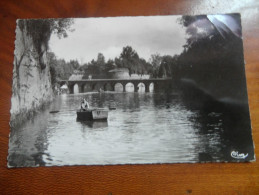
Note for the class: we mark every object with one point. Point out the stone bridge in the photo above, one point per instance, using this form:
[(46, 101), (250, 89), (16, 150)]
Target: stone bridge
[(87, 85)]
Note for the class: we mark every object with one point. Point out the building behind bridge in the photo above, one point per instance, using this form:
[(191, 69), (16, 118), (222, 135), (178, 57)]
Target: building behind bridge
[(123, 73), (77, 75)]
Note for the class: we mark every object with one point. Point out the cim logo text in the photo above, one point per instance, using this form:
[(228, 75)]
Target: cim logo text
[(236, 155)]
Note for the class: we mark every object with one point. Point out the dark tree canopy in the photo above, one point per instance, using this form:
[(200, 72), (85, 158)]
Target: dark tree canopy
[(40, 31), (213, 55), (168, 66), (130, 59), (128, 53), (74, 64), (60, 69)]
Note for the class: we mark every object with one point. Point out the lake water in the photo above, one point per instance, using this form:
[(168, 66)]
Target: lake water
[(144, 128)]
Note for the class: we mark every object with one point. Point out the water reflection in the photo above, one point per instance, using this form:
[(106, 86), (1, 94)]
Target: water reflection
[(93, 124), (143, 128), (141, 87)]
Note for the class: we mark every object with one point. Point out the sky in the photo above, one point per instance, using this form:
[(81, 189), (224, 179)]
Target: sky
[(146, 35)]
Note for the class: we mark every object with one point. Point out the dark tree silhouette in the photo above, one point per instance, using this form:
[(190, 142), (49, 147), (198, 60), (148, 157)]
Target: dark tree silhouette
[(213, 57)]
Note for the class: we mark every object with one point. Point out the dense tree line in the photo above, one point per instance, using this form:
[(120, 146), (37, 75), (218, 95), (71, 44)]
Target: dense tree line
[(60, 69), (130, 59), (97, 68), (157, 66)]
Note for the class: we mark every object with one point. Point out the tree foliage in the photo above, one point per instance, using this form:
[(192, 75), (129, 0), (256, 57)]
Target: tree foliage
[(60, 69), (158, 66), (96, 68), (130, 59), (40, 31)]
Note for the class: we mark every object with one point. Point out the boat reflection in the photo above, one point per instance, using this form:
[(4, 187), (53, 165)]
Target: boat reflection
[(94, 124)]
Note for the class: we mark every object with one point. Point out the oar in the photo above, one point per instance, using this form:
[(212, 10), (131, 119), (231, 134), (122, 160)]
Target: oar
[(91, 109), (56, 111)]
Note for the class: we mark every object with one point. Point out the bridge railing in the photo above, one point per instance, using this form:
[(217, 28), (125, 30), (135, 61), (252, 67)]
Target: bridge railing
[(154, 79)]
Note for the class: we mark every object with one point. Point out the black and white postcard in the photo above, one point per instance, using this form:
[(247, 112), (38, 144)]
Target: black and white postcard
[(129, 90)]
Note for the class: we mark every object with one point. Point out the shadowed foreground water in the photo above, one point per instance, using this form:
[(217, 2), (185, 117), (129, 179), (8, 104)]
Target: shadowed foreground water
[(144, 128)]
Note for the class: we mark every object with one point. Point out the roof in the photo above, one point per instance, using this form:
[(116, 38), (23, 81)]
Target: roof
[(119, 70), (64, 87)]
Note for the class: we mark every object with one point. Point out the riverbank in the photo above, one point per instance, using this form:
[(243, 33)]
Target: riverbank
[(24, 115)]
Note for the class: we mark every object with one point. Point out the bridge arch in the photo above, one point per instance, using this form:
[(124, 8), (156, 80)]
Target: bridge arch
[(119, 87), (129, 87), (76, 88), (87, 87), (141, 87), (97, 86), (151, 87), (108, 87)]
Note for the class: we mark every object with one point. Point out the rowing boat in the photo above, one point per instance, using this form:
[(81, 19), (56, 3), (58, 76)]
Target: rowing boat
[(92, 114)]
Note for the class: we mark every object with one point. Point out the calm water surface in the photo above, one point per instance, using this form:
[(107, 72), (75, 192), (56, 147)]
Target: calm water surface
[(144, 128)]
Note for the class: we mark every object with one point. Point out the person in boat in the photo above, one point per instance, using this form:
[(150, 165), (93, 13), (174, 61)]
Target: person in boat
[(84, 105), (101, 90)]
